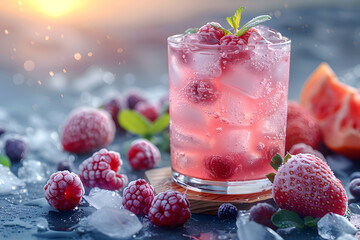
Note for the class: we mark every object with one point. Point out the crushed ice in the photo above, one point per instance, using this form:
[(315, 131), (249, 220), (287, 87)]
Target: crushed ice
[(9, 183)]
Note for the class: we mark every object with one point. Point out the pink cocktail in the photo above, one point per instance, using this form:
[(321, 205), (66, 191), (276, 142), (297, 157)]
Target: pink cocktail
[(228, 106)]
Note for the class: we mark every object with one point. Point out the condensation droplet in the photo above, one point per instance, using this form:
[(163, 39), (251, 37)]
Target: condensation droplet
[(47, 37), (90, 54), (51, 73), (29, 65), (77, 56), (39, 82), (64, 70), (6, 31)]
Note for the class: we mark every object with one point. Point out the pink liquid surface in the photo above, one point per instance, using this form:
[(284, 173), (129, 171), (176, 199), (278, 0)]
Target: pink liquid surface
[(227, 117)]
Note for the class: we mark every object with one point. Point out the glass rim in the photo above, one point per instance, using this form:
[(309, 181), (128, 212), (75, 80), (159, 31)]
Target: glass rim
[(172, 40)]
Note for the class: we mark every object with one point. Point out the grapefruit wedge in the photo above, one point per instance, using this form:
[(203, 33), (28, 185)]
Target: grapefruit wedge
[(337, 107)]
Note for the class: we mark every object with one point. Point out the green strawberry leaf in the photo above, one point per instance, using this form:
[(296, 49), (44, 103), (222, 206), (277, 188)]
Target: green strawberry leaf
[(287, 157), (276, 161), (310, 221), (226, 32), (285, 218), (271, 177), (160, 124), (191, 30), (234, 21), (5, 161), (252, 23), (134, 122)]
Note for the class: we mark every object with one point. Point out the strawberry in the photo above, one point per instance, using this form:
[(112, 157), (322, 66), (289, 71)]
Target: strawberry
[(306, 185), (301, 127)]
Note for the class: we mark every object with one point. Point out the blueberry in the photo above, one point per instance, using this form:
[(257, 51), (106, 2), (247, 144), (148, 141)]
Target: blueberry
[(134, 98), (114, 106), (65, 165), (15, 149), (227, 211), (262, 213), (354, 175), (355, 188), (2, 131)]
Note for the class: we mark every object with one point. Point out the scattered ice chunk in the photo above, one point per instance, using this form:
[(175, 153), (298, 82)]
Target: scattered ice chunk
[(99, 198), (346, 237), (33, 171), (42, 224), (332, 226), (354, 208), (253, 231), (115, 223), (9, 183)]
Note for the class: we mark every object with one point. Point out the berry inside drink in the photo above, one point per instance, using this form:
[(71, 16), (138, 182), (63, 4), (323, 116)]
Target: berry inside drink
[(228, 103)]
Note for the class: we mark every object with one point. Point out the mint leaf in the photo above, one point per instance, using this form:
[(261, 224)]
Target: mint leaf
[(234, 21), (160, 124), (285, 218), (5, 161), (226, 32), (310, 221), (134, 122), (191, 30), (252, 23)]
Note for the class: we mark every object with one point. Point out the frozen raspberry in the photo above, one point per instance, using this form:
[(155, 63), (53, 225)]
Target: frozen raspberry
[(138, 196), (262, 213), (169, 209), (201, 38), (101, 170), (15, 149), (113, 107), (64, 190), (87, 130), (210, 29), (231, 40), (303, 148), (227, 211), (232, 50), (133, 98), (355, 188), (251, 32), (143, 154), (199, 91), (219, 167), (148, 110)]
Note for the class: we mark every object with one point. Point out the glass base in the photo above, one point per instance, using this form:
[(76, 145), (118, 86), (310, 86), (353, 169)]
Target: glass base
[(217, 187)]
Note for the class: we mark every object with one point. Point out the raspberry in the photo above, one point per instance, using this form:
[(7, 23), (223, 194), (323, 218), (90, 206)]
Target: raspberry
[(133, 98), (306, 185), (303, 148), (148, 110), (249, 33), (219, 167), (87, 130), (201, 38), (355, 188), (143, 154), (231, 40), (262, 213), (199, 91), (207, 28), (15, 149), (113, 107), (301, 127), (169, 209), (64, 190), (101, 170), (138, 196), (231, 51), (227, 211)]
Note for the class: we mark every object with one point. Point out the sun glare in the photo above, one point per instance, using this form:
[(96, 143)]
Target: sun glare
[(56, 8)]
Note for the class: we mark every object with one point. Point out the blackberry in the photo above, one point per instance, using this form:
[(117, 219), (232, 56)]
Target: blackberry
[(227, 211)]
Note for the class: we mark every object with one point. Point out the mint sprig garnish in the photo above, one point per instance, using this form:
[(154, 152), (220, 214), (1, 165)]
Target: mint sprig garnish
[(234, 22), (134, 122), (286, 218)]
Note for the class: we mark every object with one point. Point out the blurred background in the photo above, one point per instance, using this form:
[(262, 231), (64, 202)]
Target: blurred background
[(57, 52)]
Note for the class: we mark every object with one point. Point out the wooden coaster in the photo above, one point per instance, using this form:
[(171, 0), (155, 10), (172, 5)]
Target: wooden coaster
[(204, 203)]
